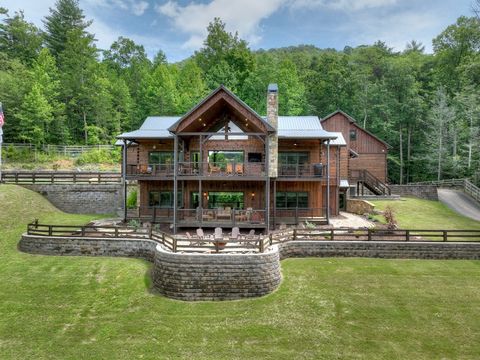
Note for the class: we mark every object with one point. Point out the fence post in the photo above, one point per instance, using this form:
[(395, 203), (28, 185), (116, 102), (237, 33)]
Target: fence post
[(174, 244), (150, 232), (270, 237), (332, 234), (445, 235), (82, 230), (74, 177), (260, 246), (163, 238), (33, 177), (294, 234), (50, 232), (407, 235), (369, 232), (216, 245), (296, 216), (116, 232)]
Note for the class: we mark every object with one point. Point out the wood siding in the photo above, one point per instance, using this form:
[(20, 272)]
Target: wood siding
[(372, 152)]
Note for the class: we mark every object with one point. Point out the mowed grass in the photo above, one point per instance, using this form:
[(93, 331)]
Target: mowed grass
[(54, 307), (414, 213)]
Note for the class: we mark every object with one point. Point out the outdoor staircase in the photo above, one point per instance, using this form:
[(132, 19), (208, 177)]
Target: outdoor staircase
[(366, 179)]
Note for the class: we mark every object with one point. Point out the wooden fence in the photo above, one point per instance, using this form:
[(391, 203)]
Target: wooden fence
[(250, 243), (60, 177)]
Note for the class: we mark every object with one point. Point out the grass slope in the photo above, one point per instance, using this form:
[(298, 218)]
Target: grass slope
[(414, 213), (101, 308)]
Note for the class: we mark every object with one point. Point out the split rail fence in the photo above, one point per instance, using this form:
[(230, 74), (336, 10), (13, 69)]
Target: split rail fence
[(60, 177)]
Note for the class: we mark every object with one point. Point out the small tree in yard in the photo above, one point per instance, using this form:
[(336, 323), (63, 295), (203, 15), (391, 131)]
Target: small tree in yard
[(389, 216)]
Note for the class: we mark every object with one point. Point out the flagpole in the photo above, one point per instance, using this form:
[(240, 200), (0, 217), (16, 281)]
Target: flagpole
[(1, 143)]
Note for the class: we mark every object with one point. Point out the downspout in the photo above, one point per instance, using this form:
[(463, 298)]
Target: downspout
[(175, 185), (124, 180)]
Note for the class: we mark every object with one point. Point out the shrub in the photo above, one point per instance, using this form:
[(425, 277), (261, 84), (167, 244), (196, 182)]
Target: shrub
[(389, 216), (132, 200), (134, 224), (310, 225), (99, 156)]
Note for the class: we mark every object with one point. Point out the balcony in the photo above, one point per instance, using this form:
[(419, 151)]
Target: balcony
[(299, 171), (222, 170)]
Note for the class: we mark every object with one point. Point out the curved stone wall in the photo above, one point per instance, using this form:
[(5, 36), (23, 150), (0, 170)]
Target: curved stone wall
[(216, 276)]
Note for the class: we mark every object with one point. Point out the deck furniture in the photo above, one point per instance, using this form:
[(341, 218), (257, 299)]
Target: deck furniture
[(229, 170), (239, 169), (235, 233)]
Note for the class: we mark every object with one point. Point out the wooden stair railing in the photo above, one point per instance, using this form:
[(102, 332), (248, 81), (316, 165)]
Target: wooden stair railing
[(370, 181)]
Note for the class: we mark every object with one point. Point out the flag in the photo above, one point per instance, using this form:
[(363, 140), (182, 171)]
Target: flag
[(2, 118)]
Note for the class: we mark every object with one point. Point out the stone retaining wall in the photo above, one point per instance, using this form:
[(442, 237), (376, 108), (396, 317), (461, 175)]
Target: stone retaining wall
[(75, 246), (234, 276), (428, 192), (381, 249), (82, 198)]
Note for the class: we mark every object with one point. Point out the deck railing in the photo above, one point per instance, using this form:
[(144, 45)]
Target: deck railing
[(60, 177), (150, 170), (302, 170), (223, 169)]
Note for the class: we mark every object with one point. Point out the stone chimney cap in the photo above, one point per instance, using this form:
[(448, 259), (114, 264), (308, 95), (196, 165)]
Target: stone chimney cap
[(273, 88)]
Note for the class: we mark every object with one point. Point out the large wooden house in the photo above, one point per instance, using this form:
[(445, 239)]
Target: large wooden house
[(222, 164)]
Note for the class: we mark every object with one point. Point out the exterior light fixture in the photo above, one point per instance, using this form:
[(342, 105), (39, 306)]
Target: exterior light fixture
[(253, 194)]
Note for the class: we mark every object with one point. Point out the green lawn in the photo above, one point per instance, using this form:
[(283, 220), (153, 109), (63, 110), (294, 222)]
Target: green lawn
[(414, 213), (101, 308)]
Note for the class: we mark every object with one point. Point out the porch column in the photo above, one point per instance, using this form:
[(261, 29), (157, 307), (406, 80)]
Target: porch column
[(124, 179), (267, 184), (175, 185), (328, 181)]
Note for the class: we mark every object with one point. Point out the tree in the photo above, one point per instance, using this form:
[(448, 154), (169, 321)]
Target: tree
[(20, 39), (441, 116), (46, 77), (35, 115), (224, 57), (78, 64), (66, 17), (191, 87), (124, 53)]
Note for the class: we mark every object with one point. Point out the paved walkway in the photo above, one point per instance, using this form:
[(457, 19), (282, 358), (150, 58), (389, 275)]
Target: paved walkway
[(460, 202), (350, 220)]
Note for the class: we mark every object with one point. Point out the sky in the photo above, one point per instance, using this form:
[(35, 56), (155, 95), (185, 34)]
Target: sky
[(178, 27)]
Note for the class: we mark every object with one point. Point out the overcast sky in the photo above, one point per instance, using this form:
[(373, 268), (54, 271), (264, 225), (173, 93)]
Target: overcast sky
[(179, 27)]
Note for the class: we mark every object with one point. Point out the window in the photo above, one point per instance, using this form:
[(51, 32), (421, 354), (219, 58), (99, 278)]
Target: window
[(293, 158), (160, 157), (231, 199), (163, 199), (353, 134), (289, 200)]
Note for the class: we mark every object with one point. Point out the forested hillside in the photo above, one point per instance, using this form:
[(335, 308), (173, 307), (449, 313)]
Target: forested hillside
[(57, 87)]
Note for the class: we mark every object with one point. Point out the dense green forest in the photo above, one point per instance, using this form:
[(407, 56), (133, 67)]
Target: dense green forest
[(57, 87)]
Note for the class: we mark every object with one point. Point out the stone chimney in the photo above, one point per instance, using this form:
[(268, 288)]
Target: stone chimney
[(272, 118)]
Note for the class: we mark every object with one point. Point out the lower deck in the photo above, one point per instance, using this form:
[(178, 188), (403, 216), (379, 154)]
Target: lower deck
[(229, 204)]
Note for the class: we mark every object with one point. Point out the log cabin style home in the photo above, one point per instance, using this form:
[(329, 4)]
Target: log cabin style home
[(222, 164)]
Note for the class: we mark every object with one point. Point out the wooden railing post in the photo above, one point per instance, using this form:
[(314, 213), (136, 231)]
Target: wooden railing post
[(116, 232), (260, 246), (332, 234), (445, 235), (150, 232), (50, 230), (82, 230), (163, 238), (295, 234), (369, 234), (407, 235), (175, 245), (270, 237)]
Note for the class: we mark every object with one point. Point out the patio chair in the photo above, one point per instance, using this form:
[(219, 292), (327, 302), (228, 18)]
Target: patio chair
[(239, 169), (218, 233), (191, 239), (229, 169), (250, 236), (235, 233)]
